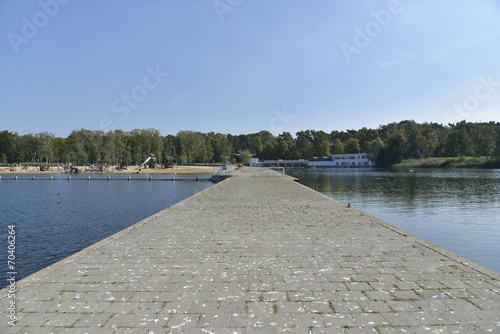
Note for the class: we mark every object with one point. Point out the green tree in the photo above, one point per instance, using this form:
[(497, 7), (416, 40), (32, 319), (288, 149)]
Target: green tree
[(257, 144), (268, 153), (9, 142), (76, 147), (319, 139), (288, 138), (458, 143), (154, 142), (324, 149), (281, 151), (430, 140), (60, 149), (304, 145), (46, 146), (485, 138), (391, 153), (191, 144), (375, 149), (109, 148), (245, 157), (352, 146), (29, 147), (338, 147), (222, 148), (171, 145), (122, 149)]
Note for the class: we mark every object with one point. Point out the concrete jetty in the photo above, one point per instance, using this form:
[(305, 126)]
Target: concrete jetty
[(258, 254)]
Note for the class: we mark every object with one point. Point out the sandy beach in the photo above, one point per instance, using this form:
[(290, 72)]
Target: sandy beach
[(112, 170)]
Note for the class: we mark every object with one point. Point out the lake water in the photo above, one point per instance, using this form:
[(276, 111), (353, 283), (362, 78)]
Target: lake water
[(54, 219), (458, 210)]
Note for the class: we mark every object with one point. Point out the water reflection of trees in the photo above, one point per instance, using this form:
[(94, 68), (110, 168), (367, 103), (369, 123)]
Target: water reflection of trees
[(429, 188)]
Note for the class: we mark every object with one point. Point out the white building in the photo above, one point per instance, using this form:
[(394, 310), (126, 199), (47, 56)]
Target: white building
[(343, 160)]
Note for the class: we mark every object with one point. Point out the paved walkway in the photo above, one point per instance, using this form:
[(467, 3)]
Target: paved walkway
[(259, 255)]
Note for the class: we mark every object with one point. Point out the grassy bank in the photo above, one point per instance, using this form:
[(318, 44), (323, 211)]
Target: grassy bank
[(461, 162)]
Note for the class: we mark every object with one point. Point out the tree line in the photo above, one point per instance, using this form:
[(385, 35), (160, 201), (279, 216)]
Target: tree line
[(386, 145)]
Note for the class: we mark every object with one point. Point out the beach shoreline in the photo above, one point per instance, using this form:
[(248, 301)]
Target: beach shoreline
[(112, 170)]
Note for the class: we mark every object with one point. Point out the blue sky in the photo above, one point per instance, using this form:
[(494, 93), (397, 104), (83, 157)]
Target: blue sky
[(241, 66)]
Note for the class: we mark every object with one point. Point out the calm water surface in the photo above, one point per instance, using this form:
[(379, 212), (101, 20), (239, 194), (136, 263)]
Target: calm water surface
[(458, 210), (55, 219)]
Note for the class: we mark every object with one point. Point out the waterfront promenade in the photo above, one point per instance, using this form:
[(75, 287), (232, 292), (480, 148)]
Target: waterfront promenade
[(258, 254)]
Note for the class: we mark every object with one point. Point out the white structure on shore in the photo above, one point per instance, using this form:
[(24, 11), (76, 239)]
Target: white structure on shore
[(356, 160), (343, 160)]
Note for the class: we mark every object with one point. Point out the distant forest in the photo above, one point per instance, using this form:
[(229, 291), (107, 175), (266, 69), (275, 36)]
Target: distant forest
[(387, 145)]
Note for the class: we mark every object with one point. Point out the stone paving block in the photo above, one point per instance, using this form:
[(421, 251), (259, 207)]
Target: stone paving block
[(369, 319), (405, 305), (429, 285), (402, 319), (460, 294), (183, 321), (99, 296), (84, 330), (358, 286), (318, 307), (379, 295), (228, 307), (31, 319), (434, 294), (32, 330), (290, 307), (307, 320), (406, 295), (63, 319), (346, 307), (81, 307), (301, 296), (124, 321), (133, 331), (375, 307), (354, 295), (338, 320), (432, 318), (485, 303), (35, 306), (92, 321), (153, 320), (253, 321), (406, 329), (214, 320), (148, 308), (455, 284)]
